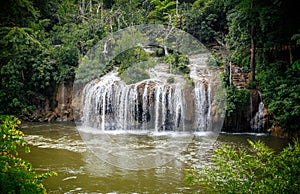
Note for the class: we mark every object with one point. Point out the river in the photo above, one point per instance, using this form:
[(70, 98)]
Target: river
[(59, 147)]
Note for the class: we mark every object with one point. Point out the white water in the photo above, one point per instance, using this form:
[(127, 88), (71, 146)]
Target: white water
[(258, 120), (202, 107), (110, 104), (63, 94)]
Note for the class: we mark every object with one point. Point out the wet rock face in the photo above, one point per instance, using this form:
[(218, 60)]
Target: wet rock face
[(153, 104), (253, 118), (165, 102), (259, 115), (64, 110), (279, 132), (239, 77), (51, 108)]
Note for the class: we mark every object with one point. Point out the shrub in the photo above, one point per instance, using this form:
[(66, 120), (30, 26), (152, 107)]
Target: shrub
[(236, 99), (257, 170), (179, 63), (280, 86), (134, 74), (16, 174), (130, 58)]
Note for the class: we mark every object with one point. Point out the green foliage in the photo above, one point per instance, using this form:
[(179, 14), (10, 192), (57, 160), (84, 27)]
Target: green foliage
[(36, 53), (280, 85), (72, 41), (67, 58), (214, 61), (258, 21), (178, 63), (129, 14), (134, 74), (164, 12), (236, 99), (296, 65), (296, 37), (206, 20), (11, 137), (251, 85), (17, 175), (19, 13), (42, 42), (255, 170), (130, 58), (24, 68), (254, 23)]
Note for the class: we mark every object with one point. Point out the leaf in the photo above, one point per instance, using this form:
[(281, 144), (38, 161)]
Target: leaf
[(296, 65)]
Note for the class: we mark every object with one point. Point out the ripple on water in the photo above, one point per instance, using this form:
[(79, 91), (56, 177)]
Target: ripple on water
[(56, 143)]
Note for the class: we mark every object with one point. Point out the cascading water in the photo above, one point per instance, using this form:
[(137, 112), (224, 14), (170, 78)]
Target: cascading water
[(200, 106), (258, 122), (155, 105), (140, 125), (63, 94)]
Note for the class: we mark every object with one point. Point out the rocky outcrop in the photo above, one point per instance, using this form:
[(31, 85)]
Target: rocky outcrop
[(238, 76), (254, 117), (57, 109), (39, 116), (64, 111), (277, 131)]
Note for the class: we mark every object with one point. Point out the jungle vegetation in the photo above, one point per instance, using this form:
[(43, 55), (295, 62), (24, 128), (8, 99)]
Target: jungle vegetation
[(42, 42)]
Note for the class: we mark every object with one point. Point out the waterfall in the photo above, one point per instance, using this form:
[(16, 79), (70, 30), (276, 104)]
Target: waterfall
[(63, 93), (145, 106), (158, 105), (200, 108), (152, 105), (208, 115), (258, 122), (260, 112)]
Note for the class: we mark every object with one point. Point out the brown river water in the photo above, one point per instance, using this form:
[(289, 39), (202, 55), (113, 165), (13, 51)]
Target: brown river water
[(60, 147)]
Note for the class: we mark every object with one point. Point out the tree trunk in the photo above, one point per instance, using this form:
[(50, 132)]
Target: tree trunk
[(91, 6), (101, 8), (230, 73), (290, 53), (177, 8), (252, 46), (82, 10), (252, 55)]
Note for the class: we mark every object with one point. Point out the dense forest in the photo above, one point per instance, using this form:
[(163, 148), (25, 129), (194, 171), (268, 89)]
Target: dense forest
[(42, 42)]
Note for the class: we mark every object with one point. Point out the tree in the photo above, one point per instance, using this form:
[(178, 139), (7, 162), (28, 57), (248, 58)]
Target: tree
[(165, 12), (206, 20), (128, 13), (280, 89), (244, 31), (24, 68), (18, 13)]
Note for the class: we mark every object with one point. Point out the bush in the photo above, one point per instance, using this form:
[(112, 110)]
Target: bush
[(257, 170), (236, 99), (280, 86), (178, 62), (134, 74), (16, 175), (130, 58)]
